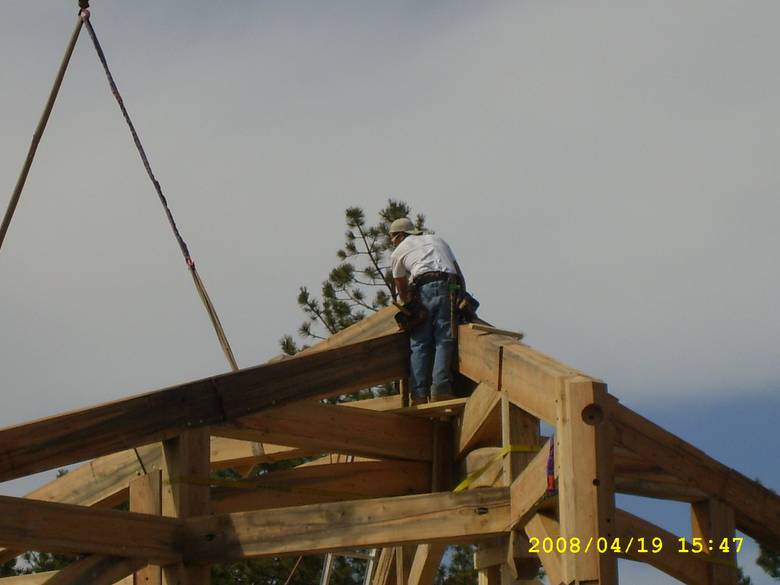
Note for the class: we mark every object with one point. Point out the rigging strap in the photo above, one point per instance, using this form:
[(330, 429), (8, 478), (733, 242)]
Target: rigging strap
[(210, 309)]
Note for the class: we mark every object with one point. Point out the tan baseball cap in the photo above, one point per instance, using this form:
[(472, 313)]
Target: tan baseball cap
[(405, 225)]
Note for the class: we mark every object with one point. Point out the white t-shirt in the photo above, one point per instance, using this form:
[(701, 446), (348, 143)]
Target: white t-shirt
[(420, 254)]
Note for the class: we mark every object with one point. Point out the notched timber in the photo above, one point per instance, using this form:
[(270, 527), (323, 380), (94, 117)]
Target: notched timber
[(441, 517), (757, 509), (529, 490), (480, 423), (334, 429), (95, 570), (530, 378), (63, 528), (324, 483), (688, 568), (155, 416)]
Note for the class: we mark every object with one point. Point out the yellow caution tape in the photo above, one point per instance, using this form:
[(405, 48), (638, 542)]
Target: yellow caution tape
[(464, 485)]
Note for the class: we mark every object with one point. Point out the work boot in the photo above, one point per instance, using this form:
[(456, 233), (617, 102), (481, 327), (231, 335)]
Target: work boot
[(417, 400), (440, 396)]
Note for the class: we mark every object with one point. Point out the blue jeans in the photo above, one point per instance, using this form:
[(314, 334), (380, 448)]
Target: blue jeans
[(432, 344)]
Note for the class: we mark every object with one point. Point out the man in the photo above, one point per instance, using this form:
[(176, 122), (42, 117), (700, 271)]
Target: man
[(425, 267)]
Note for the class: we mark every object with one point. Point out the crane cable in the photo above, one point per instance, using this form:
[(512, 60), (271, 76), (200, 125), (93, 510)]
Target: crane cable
[(204, 296), (84, 19), (36, 139)]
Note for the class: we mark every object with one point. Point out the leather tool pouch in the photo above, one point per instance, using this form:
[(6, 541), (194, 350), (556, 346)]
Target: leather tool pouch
[(412, 315)]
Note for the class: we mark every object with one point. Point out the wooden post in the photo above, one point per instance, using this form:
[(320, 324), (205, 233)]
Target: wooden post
[(403, 388), (542, 527), (442, 464), (489, 575), (519, 430), (583, 449), (385, 567), (185, 493), (146, 498), (404, 555), (426, 563), (713, 522)]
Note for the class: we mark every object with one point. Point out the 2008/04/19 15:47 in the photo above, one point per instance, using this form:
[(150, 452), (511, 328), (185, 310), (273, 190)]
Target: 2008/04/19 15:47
[(631, 544)]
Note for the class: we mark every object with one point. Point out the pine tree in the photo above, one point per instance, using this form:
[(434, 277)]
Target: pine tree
[(458, 568), (769, 560), (359, 284), (8, 569)]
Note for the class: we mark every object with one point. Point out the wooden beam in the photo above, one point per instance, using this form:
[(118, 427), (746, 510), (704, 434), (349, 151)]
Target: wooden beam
[(390, 403), (227, 452), (518, 430), (385, 568), (518, 561), (637, 485), (442, 476), (185, 459), (757, 509), (713, 523), (542, 527), (495, 551), (324, 483), (93, 570), (442, 517), (32, 579), (404, 555), (586, 496), (489, 576), (379, 324), (103, 482), (688, 568), (531, 379), (484, 468), (85, 434), (96, 570), (480, 423), (46, 526), (425, 564), (331, 428), (146, 498), (529, 491), (490, 552), (444, 409), (333, 458)]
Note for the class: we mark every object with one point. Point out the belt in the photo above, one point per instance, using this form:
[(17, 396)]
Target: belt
[(427, 277)]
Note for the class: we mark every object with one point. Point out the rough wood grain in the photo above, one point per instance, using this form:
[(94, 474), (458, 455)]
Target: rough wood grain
[(334, 429), (46, 526), (89, 433), (688, 568), (443, 517), (480, 422), (325, 483), (757, 509)]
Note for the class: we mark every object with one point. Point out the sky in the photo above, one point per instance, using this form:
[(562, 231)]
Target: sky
[(605, 172)]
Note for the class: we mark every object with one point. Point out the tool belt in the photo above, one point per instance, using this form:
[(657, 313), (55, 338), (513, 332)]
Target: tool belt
[(427, 277), (411, 315)]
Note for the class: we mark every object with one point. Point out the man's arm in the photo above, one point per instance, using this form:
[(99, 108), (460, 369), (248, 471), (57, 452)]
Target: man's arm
[(460, 275), (402, 286)]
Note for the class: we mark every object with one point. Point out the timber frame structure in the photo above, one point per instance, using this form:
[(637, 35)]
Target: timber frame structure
[(393, 492)]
